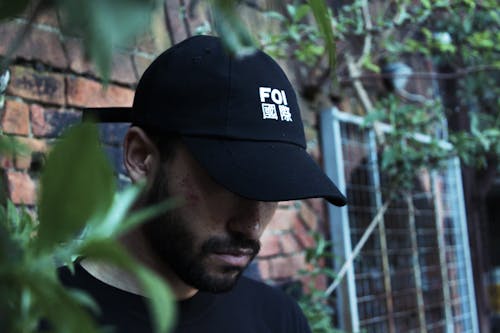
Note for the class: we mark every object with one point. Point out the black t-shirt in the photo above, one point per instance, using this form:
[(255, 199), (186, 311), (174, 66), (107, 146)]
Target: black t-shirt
[(250, 306)]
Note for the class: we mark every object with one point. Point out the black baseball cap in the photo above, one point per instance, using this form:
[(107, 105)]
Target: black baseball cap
[(238, 116)]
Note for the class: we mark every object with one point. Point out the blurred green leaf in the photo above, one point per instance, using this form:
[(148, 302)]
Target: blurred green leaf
[(144, 214), (119, 219), (10, 251), (10, 146), (9, 8), (160, 297), (275, 15), (85, 299), (231, 29), (61, 309), (105, 25), (301, 11), (369, 64), (324, 22), (77, 183)]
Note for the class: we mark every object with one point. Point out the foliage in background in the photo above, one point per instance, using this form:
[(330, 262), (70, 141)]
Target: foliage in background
[(101, 24), (459, 36), (79, 214), (460, 39), (315, 304), (411, 144)]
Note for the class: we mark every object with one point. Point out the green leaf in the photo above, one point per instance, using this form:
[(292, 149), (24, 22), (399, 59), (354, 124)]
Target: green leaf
[(59, 306), (12, 217), (162, 304), (323, 20), (9, 146), (77, 184), (291, 10), (230, 27), (275, 15), (118, 220), (84, 299), (10, 251), (161, 299), (147, 213), (9, 8), (300, 12), (106, 24), (369, 64)]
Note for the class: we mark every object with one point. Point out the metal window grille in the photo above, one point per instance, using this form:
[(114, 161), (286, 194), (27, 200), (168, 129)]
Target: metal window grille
[(414, 273)]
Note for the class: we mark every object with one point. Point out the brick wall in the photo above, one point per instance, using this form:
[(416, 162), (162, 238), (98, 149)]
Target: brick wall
[(51, 82)]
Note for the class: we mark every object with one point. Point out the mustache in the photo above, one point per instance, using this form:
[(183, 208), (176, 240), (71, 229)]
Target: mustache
[(232, 244)]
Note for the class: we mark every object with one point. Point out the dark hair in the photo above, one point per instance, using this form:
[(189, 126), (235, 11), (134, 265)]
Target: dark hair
[(165, 142)]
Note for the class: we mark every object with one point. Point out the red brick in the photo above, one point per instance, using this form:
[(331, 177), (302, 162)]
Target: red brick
[(76, 56), (22, 188), (16, 119), (270, 245), (264, 268), (177, 28), (6, 162), (38, 86), (50, 122), (34, 146), (287, 267), (48, 16), (282, 219), (122, 69), (308, 216), (87, 93), (317, 205), (318, 282), (39, 126), (289, 243), (303, 235), (8, 32), (146, 43), (35, 46)]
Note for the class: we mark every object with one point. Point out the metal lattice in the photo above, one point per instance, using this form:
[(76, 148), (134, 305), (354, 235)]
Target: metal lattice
[(414, 273)]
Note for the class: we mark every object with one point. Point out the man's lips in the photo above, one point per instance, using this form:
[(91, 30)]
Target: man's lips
[(236, 257)]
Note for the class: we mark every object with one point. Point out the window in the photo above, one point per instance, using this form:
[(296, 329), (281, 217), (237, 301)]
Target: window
[(414, 272)]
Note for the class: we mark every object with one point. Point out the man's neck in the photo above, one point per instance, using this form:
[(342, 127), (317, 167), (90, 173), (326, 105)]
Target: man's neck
[(112, 275), (138, 248)]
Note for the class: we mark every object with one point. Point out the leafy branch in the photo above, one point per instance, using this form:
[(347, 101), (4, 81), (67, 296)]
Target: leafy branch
[(79, 214)]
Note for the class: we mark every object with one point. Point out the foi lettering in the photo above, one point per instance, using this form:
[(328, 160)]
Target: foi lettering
[(278, 98)]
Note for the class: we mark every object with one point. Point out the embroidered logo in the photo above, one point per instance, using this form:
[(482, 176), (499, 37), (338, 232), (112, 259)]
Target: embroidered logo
[(278, 98)]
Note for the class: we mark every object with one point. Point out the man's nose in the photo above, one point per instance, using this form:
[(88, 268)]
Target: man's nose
[(249, 218)]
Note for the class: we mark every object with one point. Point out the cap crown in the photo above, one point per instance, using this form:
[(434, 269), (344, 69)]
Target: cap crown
[(197, 89)]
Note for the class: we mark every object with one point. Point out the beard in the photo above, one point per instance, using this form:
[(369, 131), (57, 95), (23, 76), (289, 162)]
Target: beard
[(177, 246)]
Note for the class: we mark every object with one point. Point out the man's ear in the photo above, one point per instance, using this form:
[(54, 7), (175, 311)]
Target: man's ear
[(140, 155)]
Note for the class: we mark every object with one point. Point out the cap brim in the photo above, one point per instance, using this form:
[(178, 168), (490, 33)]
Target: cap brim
[(108, 114), (264, 171)]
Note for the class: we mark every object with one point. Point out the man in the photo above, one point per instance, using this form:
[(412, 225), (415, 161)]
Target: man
[(225, 135)]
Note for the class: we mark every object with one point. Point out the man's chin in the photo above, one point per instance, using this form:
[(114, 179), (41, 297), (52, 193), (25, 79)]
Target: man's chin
[(220, 282)]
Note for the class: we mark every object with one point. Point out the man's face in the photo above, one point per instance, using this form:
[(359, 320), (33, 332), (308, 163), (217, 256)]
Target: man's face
[(213, 235)]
